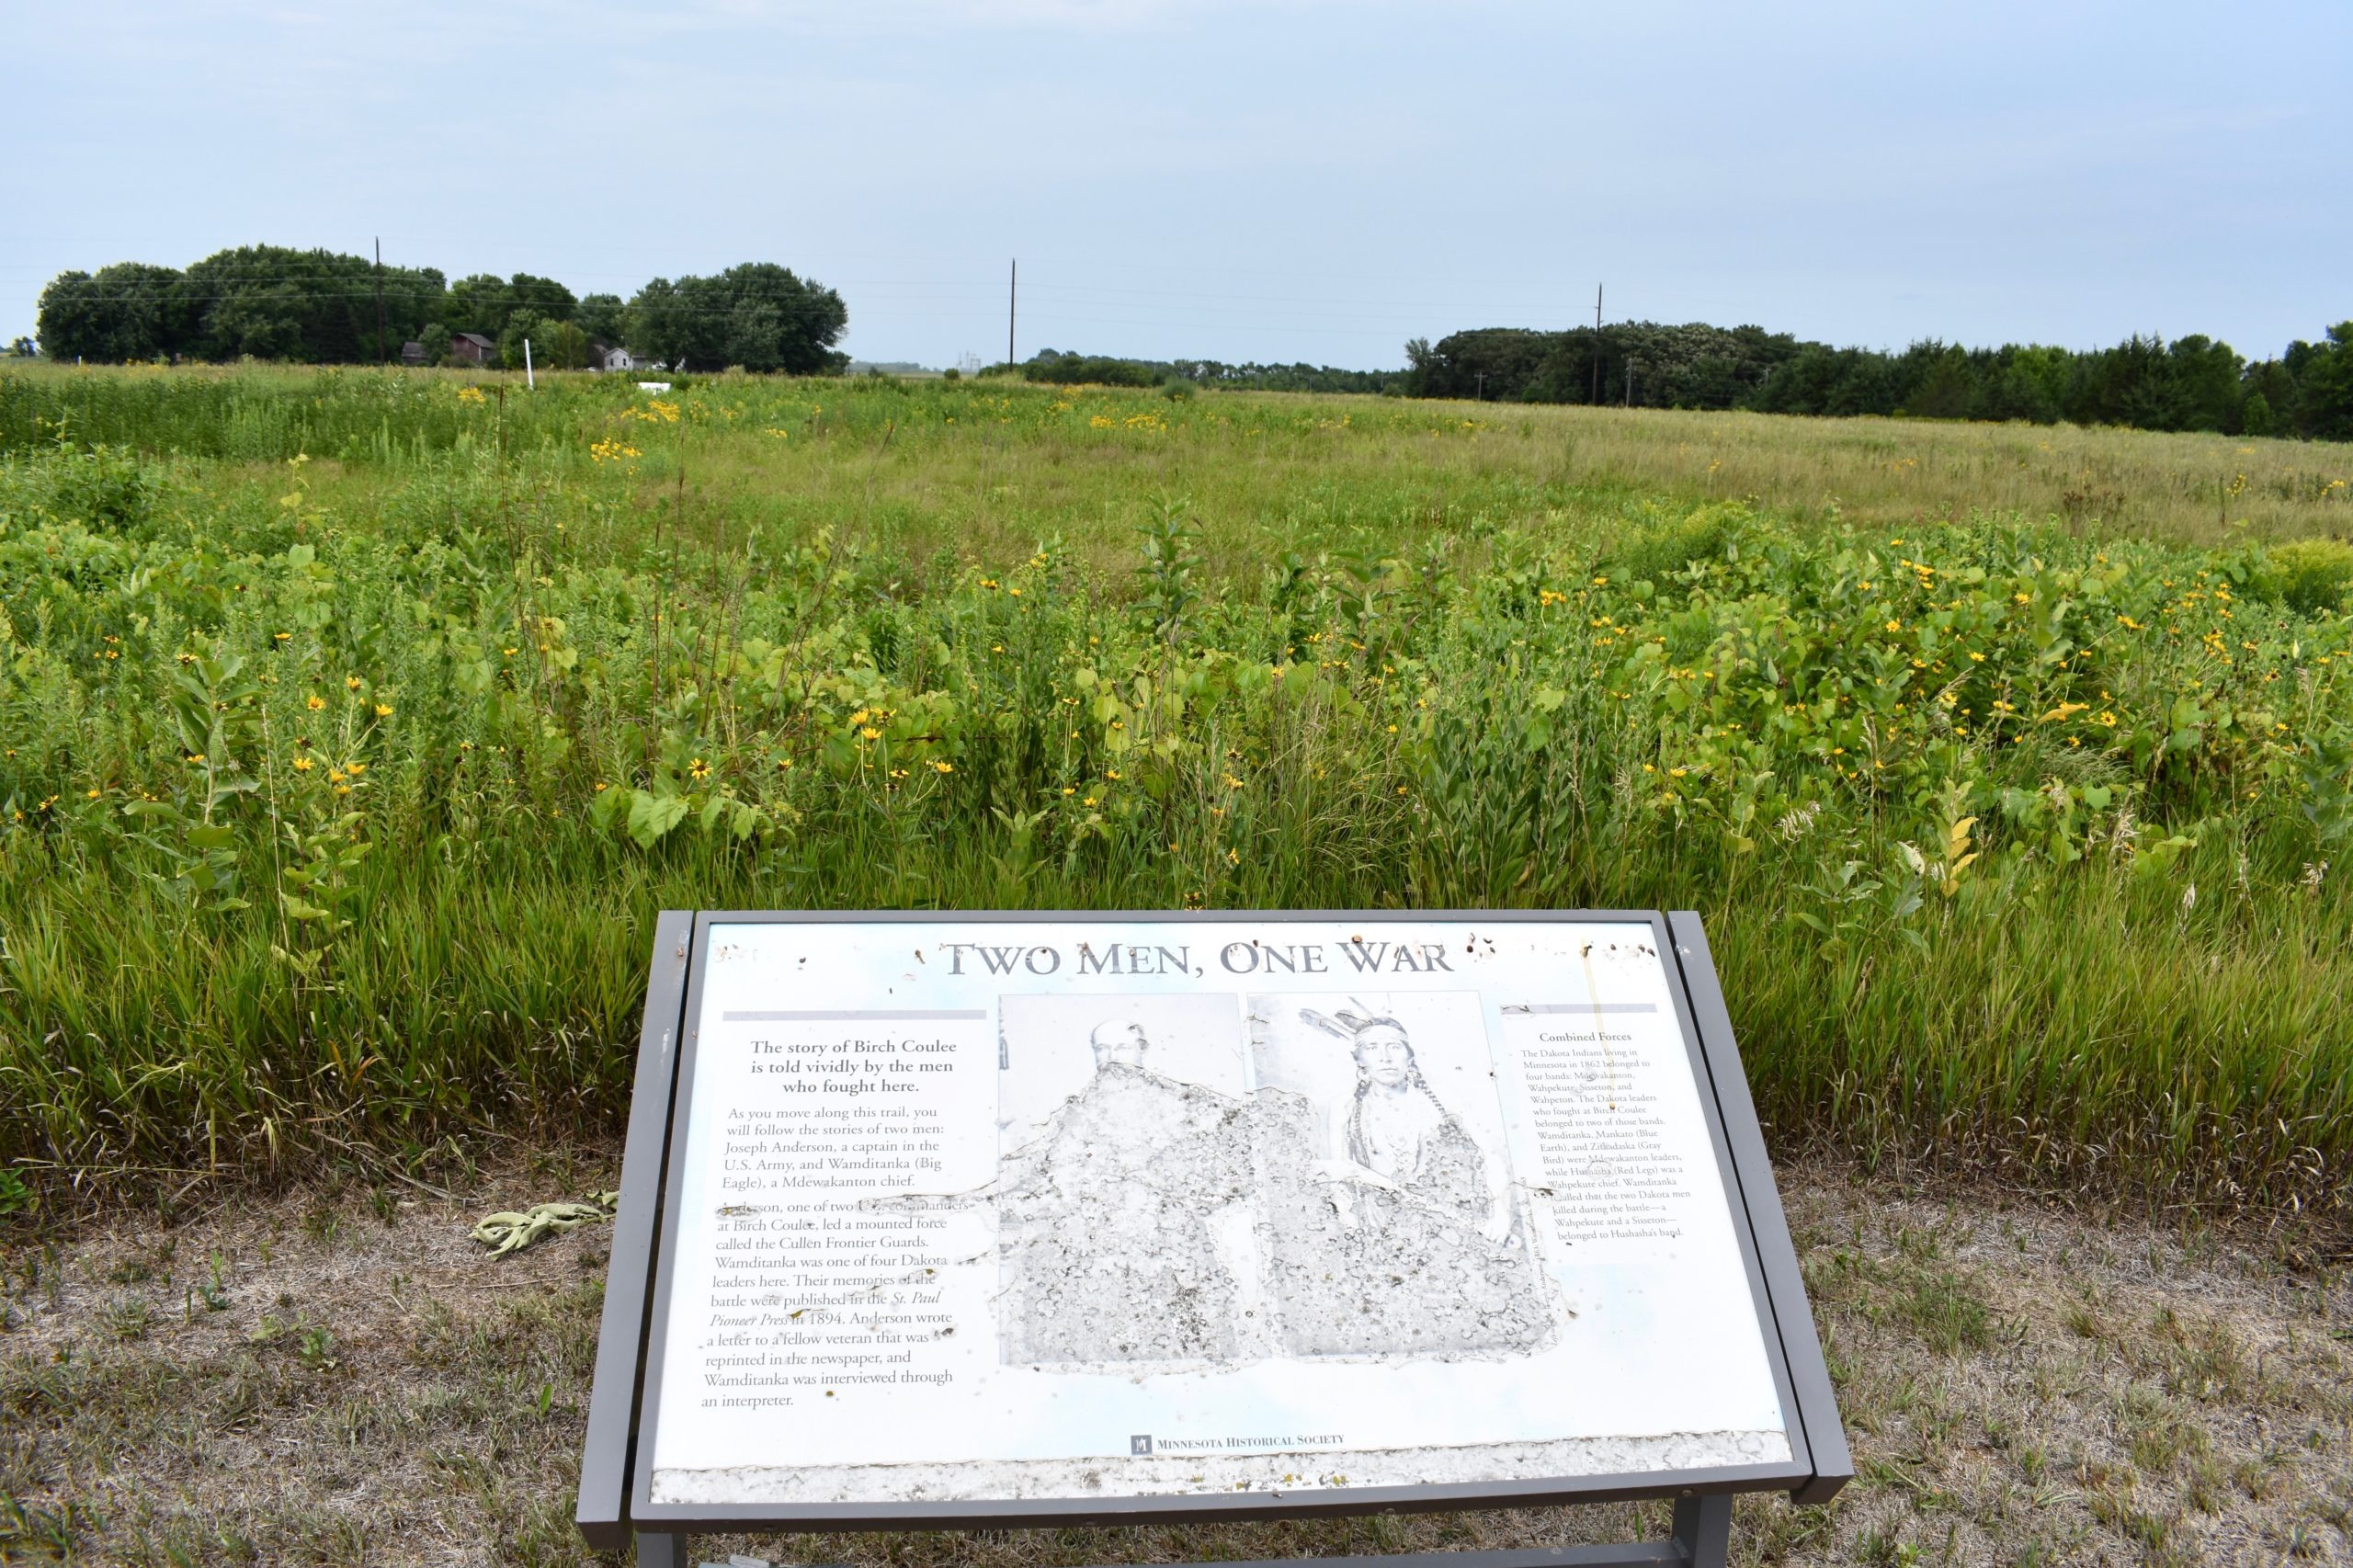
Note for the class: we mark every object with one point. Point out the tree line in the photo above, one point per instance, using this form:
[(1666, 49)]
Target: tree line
[(1051, 365), (319, 307), (2190, 383)]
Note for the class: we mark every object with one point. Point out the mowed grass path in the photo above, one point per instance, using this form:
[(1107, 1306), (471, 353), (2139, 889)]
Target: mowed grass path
[(358, 724)]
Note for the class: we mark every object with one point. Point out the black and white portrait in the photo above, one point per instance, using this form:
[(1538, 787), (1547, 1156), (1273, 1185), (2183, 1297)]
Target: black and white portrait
[(1122, 1201), (1394, 1224)]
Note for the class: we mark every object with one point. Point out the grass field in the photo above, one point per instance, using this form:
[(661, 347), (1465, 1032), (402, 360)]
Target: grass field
[(356, 725)]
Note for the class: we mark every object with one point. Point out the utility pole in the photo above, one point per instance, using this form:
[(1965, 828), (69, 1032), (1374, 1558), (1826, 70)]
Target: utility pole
[(381, 344), (1630, 383), (1596, 343), (1482, 386), (1012, 295)]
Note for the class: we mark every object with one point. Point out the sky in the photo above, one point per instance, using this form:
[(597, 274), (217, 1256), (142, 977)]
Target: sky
[(1280, 180)]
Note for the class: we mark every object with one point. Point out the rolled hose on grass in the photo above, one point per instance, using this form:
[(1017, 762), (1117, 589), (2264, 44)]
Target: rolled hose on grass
[(512, 1231)]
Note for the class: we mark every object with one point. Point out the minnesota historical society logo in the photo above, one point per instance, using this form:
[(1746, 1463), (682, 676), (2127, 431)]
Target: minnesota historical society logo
[(1140, 1444)]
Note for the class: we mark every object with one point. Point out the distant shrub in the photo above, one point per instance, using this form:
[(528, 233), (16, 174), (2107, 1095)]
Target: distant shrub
[(103, 488), (1658, 551), (952, 374), (1085, 369), (2311, 576)]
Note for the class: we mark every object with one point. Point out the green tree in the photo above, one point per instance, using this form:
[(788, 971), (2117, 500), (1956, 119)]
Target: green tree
[(566, 347), (521, 326), (2324, 384), (2205, 383), (128, 311), (275, 302), (662, 323), (1073, 369), (543, 297), (602, 317), (2024, 383), (480, 303), (755, 335), (758, 316)]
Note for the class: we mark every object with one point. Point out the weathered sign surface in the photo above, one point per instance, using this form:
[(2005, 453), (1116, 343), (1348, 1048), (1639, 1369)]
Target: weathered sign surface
[(1112, 1207)]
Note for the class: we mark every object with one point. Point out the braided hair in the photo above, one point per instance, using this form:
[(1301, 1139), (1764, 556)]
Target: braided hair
[(1352, 1027)]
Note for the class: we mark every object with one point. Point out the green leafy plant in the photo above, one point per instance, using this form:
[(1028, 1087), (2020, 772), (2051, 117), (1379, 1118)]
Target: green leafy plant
[(1171, 563)]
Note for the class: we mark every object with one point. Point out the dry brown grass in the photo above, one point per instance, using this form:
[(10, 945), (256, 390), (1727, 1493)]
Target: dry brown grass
[(2021, 1385)]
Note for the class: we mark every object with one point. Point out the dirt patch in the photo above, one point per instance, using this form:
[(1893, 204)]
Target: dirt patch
[(338, 1375)]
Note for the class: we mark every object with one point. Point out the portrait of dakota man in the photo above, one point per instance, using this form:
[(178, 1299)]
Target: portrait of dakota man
[(1392, 1226)]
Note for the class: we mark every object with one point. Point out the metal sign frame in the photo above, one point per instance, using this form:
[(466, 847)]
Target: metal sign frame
[(614, 1502)]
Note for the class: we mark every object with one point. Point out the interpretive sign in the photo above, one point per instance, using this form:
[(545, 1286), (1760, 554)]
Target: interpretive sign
[(1008, 1219)]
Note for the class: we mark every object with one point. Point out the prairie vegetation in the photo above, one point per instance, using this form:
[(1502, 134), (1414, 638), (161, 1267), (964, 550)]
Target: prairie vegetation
[(356, 723)]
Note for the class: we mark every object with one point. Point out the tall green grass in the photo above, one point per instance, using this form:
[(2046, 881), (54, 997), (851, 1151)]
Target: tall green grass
[(1001, 458), (339, 792)]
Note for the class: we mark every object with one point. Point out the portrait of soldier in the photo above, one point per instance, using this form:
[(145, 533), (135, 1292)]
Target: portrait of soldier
[(1122, 1226)]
